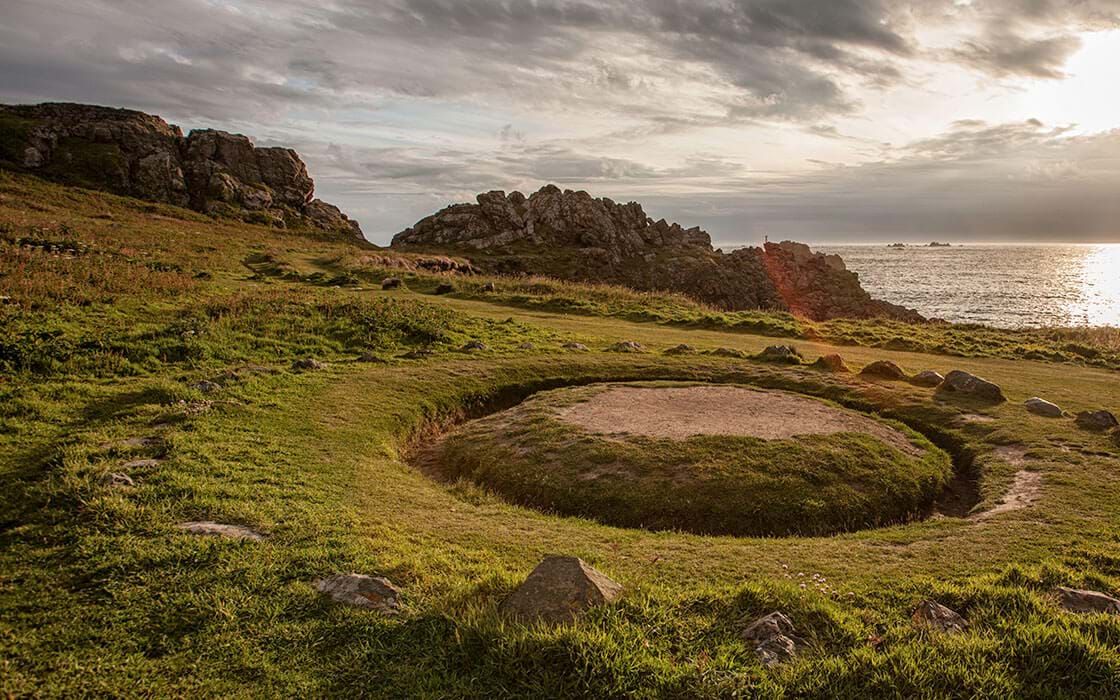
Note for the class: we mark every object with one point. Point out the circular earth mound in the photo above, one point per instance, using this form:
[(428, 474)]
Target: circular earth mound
[(711, 459)]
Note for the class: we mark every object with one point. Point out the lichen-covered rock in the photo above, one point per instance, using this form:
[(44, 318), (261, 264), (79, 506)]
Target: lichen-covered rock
[(627, 346), (783, 354), (958, 382), (116, 480), (884, 369), (140, 155), (933, 615), (207, 528), (574, 236), (1042, 407), (371, 592), (831, 363), (1080, 601), (928, 379), (682, 349), (1096, 420), (560, 589)]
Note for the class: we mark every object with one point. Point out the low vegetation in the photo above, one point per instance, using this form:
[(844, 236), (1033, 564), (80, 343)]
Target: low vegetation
[(115, 311)]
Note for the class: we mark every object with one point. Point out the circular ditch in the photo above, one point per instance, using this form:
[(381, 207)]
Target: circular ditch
[(711, 459)]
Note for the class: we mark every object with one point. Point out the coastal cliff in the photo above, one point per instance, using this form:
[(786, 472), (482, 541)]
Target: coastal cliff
[(573, 236), (140, 155)]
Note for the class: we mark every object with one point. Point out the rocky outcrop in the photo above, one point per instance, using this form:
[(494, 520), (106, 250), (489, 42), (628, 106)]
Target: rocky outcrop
[(140, 155), (574, 236)]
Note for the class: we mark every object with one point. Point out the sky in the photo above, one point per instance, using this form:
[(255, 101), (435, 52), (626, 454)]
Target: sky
[(825, 121)]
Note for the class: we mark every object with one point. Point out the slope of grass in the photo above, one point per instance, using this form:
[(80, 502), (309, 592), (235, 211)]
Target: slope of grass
[(103, 596)]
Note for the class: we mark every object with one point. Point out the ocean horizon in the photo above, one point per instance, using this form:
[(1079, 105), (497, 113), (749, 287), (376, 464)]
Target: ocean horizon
[(1006, 285)]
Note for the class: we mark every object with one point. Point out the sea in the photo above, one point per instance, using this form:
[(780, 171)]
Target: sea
[(1008, 286)]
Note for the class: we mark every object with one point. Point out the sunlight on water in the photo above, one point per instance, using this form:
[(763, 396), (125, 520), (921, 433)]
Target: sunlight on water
[(998, 285)]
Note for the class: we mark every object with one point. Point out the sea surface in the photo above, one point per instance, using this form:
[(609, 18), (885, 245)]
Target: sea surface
[(1010, 286)]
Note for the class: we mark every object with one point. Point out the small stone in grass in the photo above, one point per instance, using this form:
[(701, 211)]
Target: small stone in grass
[(372, 592), (576, 347), (1096, 420), (206, 387), (307, 363), (474, 345), (939, 618), (391, 283), (207, 528), (1081, 601), (558, 590), (117, 480), (884, 369), (1042, 407), (928, 378)]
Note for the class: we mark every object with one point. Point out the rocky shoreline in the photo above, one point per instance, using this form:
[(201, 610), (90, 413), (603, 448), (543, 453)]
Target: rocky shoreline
[(573, 236)]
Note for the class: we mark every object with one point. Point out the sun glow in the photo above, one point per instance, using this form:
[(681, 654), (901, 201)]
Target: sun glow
[(1085, 98)]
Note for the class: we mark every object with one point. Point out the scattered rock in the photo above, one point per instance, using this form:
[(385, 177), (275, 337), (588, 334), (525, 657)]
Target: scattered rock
[(372, 592), (576, 347), (206, 387), (784, 354), (116, 480), (1042, 407), (307, 363), (831, 363), (488, 287), (928, 378), (626, 346), (391, 283), (369, 357), (939, 618), (884, 369), (559, 590), (142, 464), (1080, 601), (729, 352), (474, 346), (775, 639), (417, 354), (958, 382), (1096, 420), (682, 349), (208, 528), (445, 288), (527, 346)]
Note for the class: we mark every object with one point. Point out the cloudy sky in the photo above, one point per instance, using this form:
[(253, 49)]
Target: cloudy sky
[(821, 120)]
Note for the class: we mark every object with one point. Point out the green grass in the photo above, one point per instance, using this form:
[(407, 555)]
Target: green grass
[(102, 596), (709, 484)]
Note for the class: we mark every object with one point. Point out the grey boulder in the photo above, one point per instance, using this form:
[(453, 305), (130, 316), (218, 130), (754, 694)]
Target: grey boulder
[(560, 589), (1042, 407)]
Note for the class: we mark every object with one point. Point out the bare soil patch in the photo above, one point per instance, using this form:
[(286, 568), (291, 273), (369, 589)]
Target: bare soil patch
[(682, 412)]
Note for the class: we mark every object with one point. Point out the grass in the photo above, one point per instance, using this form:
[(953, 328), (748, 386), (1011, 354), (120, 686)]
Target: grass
[(102, 595), (709, 484)]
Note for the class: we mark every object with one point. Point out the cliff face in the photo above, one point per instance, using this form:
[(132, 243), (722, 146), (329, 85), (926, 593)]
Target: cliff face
[(140, 155), (571, 235)]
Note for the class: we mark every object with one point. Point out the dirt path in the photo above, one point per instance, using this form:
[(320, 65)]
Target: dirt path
[(1025, 489), (681, 412)]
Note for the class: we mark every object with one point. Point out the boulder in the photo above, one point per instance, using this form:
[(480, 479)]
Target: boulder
[(928, 378), (576, 347), (572, 235), (626, 346), (1042, 407), (831, 363), (783, 354), (729, 352), (682, 349), (1096, 420), (774, 638), (527, 346), (445, 288), (207, 528), (307, 363), (474, 346), (958, 382), (370, 592), (933, 615), (206, 387), (884, 369), (560, 589), (488, 287), (391, 283), (1080, 601), (140, 155)]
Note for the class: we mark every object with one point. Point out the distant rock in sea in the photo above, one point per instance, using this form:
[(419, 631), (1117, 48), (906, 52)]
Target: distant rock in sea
[(573, 236), (936, 244), (140, 155)]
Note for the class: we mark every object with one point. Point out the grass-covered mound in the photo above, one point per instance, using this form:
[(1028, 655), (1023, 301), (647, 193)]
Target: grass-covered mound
[(542, 455)]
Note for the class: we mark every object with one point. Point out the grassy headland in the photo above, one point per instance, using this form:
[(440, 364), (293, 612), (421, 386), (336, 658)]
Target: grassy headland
[(117, 309)]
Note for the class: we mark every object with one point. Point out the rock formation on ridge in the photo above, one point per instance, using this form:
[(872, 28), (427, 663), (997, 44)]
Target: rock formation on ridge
[(574, 236), (140, 155)]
